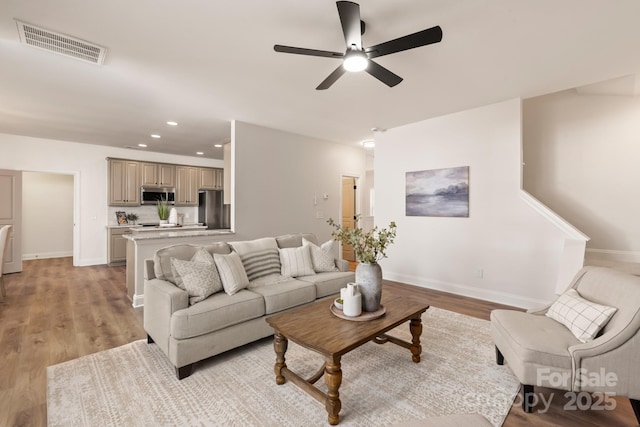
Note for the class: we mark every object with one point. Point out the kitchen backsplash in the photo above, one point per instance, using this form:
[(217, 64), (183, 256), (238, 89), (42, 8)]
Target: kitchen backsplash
[(149, 214)]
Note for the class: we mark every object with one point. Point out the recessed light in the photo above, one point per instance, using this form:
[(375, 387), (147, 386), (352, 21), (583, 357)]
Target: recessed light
[(142, 145), (370, 143), (218, 145), (170, 123), (155, 135), (200, 153)]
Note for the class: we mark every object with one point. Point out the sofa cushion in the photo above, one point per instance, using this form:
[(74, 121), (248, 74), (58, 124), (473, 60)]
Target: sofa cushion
[(260, 257), (322, 257), (231, 272), (294, 240), (286, 294), (218, 311), (329, 283), (199, 278), (583, 317), (162, 257), (296, 261), (535, 339)]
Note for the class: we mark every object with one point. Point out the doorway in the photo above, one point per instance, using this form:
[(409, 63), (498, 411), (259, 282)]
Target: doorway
[(11, 214), (348, 212), (48, 215)]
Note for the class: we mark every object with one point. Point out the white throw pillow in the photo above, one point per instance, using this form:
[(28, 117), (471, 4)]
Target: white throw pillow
[(322, 256), (583, 317), (201, 255), (232, 273), (296, 262), (200, 279)]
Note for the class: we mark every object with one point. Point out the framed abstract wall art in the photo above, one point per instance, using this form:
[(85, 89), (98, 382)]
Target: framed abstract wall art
[(438, 192)]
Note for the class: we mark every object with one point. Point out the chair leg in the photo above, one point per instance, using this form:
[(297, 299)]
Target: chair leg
[(149, 339), (635, 404), (527, 398), (499, 357), (184, 371)]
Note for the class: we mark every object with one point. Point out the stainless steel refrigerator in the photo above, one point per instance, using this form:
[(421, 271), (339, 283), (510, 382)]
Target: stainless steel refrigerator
[(212, 211)]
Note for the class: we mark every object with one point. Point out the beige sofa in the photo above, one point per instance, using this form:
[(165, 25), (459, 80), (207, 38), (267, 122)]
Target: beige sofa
[(188, 333)]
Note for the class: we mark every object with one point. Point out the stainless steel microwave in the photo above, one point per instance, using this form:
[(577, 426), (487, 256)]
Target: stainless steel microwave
[(150, 196)]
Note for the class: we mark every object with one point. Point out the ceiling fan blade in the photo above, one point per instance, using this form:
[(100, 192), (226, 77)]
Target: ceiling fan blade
[(337, 73), (382, 74), (350, 19), (310, 52), (421, 38)]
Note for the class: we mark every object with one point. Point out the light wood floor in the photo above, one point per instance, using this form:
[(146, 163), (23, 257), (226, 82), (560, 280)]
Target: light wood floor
[(55, 312)]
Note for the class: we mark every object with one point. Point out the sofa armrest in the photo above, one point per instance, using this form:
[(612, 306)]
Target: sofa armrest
[(161, 300), (342, 264), (149, 272)]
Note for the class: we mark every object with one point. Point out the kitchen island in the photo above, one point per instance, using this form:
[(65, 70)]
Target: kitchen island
[(143, 243)]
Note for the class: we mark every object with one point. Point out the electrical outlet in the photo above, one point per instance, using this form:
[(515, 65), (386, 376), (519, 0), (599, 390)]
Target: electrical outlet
[(479, 273), (319, 214)]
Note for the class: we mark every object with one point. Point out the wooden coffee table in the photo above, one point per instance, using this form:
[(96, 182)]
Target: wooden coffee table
[(314, 327)]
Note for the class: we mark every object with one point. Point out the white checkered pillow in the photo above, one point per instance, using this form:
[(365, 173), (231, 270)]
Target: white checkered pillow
[(322, 256), (583, 317)]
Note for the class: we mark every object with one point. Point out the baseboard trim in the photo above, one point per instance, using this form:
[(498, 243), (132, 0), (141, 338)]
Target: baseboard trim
[(467, 291), (138, 301), (88, 262), (612, 255), (46, 255)]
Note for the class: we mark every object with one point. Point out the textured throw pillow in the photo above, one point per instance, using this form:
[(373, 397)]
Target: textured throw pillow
[(232, 273), (200, 279), (201, 255), (296, 262), (322, 256), (259, 257), (583, 317)]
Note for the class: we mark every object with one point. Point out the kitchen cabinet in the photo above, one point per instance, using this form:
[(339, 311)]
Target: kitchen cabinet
[(124, 183), (117, 245), (187, 183), (157, 175), (211, 179)]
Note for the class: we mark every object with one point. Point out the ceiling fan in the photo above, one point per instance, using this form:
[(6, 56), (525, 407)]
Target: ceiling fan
[(357, 58)]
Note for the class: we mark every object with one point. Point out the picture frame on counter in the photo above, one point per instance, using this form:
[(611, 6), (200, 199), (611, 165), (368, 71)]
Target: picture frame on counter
[(121, 217)]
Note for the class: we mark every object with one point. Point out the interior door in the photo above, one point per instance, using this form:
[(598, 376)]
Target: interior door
[(348, 213), (11, 214)]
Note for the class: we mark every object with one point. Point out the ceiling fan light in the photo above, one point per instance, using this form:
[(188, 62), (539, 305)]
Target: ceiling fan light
[(355, 61)]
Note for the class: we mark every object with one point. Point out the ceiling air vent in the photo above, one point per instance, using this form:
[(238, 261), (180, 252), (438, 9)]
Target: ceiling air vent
[(61, 43)]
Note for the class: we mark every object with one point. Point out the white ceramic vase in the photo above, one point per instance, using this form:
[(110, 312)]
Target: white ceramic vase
[(351, 300), (369, 280)]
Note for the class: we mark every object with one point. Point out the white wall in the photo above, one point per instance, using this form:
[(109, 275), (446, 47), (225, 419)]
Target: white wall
[(581, 154), (516, 251), (278, 175), (89, 166), (47, 215)]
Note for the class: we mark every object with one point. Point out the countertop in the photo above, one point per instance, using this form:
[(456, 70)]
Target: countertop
[(138, 228), (172, 233)]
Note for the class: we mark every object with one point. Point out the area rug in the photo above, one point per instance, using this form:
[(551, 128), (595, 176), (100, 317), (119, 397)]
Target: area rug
[(135, 385)]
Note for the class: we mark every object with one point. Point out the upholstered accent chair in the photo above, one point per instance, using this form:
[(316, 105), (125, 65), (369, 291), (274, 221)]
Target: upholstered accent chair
[(545, 352), (4, 237)]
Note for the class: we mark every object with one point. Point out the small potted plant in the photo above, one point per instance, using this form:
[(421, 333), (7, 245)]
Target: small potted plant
[(369, 247), (163, 210), (132, 218)]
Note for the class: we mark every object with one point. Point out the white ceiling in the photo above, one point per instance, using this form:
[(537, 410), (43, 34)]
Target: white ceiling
[(203, 63)]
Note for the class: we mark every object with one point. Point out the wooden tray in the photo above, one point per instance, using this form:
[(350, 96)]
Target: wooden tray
[(365, 316)]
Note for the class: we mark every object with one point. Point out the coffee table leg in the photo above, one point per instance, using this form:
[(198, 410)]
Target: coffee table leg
[(333, 379), (280, 344), (416, 331)]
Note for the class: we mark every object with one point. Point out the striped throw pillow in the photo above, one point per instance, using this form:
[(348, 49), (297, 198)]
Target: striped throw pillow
[(261, 263), (231, 272), (296, 262)]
